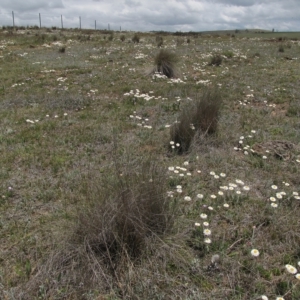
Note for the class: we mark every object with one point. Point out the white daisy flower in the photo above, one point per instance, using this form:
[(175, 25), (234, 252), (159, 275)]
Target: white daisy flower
[(207, 232), (291, 269), (254, 252)]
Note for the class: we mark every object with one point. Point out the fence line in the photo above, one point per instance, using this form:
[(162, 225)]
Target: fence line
[(40, 21)]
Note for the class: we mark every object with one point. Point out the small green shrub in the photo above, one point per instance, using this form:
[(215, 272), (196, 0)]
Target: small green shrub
[(293, 110), (83, 37), (283, 287), (228, 54), (122, 37), (40, 38)]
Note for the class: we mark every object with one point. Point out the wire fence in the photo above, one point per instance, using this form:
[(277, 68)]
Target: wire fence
[(47, 20)]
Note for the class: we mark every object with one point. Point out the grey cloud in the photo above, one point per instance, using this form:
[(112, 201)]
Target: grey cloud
[(132, 3), (237, 2), (246, 3), (30, 5)]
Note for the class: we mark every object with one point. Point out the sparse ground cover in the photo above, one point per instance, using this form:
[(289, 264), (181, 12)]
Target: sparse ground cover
[(96, 201)]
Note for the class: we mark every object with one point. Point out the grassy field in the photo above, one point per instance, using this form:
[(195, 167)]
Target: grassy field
[(96, 199)]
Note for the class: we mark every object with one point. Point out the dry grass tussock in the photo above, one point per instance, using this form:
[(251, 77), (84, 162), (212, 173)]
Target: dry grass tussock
[(136, 38), (165, 63), (199, 117), (216, 60), (123, 222), (159, 40)]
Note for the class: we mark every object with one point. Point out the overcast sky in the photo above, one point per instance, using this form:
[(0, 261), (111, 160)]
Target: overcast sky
[(147, 15)]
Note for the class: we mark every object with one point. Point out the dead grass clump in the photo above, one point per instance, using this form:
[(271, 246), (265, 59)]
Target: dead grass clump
[(136, 38), (208, 111), (216, 60), (159, 41), (281, 48), (122, 223), (125, 219), (62, 49), (182, 132), (111, 37), (165, 62), (179, 41), (200, 117)]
